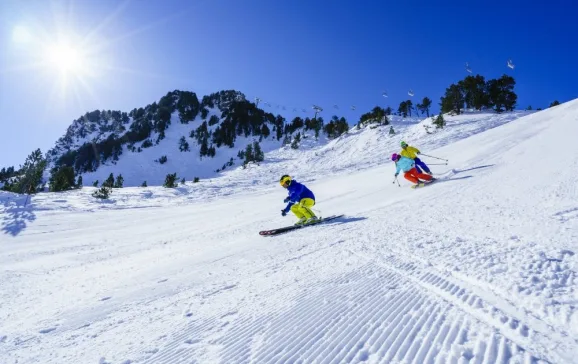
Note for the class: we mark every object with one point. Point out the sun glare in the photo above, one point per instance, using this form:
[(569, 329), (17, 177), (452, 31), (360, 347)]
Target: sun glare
[(71, 61), (21, 34), (65, 58)]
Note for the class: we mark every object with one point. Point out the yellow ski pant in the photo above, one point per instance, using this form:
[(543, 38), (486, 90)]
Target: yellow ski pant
[(303, 208)]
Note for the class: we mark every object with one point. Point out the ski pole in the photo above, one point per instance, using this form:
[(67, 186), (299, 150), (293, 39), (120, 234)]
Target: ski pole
[(397, 181), (431, 156), (437, 164)]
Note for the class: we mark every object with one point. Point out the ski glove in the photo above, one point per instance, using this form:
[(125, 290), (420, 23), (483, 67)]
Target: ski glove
[(287, 199), (396, 174), (283, 213)]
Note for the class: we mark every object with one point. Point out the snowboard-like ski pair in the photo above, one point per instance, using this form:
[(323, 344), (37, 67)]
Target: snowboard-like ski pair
[(295, 227)]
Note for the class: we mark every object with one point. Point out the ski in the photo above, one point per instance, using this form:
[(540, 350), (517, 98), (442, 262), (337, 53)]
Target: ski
[(423, 184), (295, 227)]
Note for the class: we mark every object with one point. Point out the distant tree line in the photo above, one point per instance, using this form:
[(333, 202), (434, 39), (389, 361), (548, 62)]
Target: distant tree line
[(474, 92)]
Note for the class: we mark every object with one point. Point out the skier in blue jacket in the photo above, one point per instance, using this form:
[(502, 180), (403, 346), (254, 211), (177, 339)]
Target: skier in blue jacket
[(299, 201), (407, 165)]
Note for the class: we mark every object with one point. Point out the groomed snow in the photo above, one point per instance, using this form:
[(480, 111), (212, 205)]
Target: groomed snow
[(479, 267)]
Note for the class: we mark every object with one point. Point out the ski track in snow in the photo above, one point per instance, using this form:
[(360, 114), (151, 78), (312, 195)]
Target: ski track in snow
[(386, 310), (458, 272)]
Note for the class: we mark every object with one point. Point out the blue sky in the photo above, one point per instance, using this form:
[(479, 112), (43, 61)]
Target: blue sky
[(293, 53)]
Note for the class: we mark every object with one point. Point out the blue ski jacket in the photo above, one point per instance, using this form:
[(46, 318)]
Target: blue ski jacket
[(297, 192), (404, 164)]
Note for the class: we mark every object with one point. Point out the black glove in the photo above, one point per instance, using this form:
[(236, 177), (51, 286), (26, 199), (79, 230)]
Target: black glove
[(396, 174), (287, 199), (283, 212)]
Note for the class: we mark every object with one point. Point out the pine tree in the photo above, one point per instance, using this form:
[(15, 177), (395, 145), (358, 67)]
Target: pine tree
[(279, 126), (204, 147), (183, 180), (102, 193), (424, 106), (258, 155), (249, 154), (109, 182), (196, 179), (7, 173), (79, 182), (170, 180), (391, 131), (474, 89), (296, 140), (214, 119), (144, 184), (336, 127), (501, 93), (317, 125), (95, 183), (29, 178), (376, 115), (402, 109), (61, 179), (453, 100), (554, 103), (265, 131), (183, 145), (212, 151), (439, 121), (119, 181)]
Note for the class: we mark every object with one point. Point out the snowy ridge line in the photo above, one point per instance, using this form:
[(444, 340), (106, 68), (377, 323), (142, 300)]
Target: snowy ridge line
[(540, 338)]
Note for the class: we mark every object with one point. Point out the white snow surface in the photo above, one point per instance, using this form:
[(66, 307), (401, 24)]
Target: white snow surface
[(479, 267)]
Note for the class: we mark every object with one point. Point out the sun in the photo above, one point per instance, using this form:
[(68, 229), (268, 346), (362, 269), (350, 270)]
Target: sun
[(65, 58)]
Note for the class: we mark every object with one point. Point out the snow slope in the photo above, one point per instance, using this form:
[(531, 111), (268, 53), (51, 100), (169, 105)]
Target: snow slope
[(479, 267), (315, 159)]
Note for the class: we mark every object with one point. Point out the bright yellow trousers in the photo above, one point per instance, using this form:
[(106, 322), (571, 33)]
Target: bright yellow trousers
[(303, 208)]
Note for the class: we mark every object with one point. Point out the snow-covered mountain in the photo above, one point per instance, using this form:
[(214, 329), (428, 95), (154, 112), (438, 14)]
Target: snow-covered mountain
[(179, 134), (358, 149), (479, 267), (202, 138)]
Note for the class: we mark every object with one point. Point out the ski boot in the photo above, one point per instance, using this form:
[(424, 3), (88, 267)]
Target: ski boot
[(312, 220), (301, 221)]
